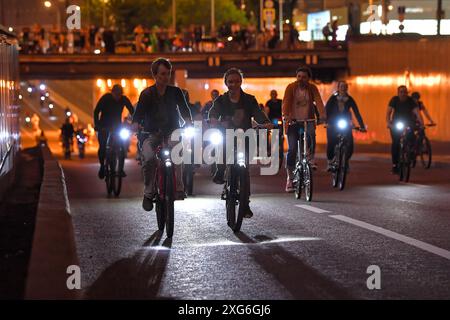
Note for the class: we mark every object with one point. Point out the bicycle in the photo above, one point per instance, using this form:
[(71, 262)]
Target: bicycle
[(236, 190), (339, 165), (423, 147), (164, 185), (115, 159), (407, 151), (303, 178)]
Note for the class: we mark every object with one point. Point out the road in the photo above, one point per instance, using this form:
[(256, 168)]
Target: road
[(290, 249)]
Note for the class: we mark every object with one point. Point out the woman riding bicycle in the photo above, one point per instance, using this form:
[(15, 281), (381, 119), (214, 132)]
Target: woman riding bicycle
[(340, 106)]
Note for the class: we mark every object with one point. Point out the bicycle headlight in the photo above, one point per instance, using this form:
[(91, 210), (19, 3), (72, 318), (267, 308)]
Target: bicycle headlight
[(216, 138), (342, 124), (400, 126), (166, 153), (189, 132), (124, 134), (241, 159)]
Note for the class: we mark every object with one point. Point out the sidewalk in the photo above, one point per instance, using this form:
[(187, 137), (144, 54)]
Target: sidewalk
[(17, 222)]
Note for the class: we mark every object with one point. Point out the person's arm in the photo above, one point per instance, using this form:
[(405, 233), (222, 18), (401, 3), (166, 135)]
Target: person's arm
[(183, 107), (97, 111), (319, 103), (389, 112), (139, 113), (129, 106), (286, 105), (418, 117), (427, 115), (355, 109)]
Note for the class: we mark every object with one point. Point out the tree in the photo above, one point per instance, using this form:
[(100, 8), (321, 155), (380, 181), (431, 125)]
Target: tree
[(199, 12)]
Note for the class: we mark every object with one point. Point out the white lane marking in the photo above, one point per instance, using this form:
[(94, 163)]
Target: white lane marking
[(311, 208), (405, 200), (390, 234), (232, 243)]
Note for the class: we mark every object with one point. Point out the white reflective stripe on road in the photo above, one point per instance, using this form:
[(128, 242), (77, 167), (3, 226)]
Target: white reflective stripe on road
[(393, 235), (311, 208)]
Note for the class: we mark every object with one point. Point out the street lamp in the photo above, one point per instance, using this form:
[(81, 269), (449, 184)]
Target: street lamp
[(48, 5)]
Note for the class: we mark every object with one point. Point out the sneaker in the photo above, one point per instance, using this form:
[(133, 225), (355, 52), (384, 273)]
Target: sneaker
[(147, 204), (101, 173), (123, 174), (289, 186), (248, 213)]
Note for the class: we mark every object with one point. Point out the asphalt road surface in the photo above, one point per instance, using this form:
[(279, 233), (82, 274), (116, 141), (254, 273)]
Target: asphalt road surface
[(290, 249)]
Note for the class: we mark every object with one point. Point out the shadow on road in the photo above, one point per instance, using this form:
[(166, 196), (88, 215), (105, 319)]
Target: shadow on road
[(136, 277), (302, 281)]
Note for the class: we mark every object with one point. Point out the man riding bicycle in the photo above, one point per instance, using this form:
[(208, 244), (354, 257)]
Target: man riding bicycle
[(107, 117), (340, 106), (301, 101), (162, 108), (234, 110), (401, 108)]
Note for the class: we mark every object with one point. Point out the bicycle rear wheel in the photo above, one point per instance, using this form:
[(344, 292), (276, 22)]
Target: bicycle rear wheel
[(425, 153)]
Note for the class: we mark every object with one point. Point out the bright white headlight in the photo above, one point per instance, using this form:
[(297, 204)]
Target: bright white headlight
[(189, 132), (124, 134), (342, 124), (216, 138), (166, 152), (400, 125)]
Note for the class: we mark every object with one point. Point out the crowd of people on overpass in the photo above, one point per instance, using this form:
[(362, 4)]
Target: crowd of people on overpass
[(100, 40)]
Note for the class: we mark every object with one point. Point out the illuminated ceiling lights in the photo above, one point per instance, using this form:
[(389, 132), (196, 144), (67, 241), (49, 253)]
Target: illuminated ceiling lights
[(398, 80)]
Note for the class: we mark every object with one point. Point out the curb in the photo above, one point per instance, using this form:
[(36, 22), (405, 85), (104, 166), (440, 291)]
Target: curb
[(53, 247)]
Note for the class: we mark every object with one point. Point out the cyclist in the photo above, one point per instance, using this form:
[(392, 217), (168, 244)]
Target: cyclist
[(162, 108), (422, 108), (107, 117), (401, 108), (341, 105), (235, 109), (67, 133), (301, 101)]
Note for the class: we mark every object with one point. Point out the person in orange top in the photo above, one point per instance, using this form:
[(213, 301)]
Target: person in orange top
[(301, 101)]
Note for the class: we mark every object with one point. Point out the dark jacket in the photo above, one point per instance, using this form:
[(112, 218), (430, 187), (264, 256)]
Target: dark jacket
[(224, 109), (332, 110), (162, 113), (108, 112)]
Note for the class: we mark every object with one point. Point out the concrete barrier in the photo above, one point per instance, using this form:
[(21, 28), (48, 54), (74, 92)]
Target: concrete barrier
[(53, 248)]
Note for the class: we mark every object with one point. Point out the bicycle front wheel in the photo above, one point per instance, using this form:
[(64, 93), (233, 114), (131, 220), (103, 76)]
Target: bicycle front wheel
[(343, 169), (308, 182), (169, 196)]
